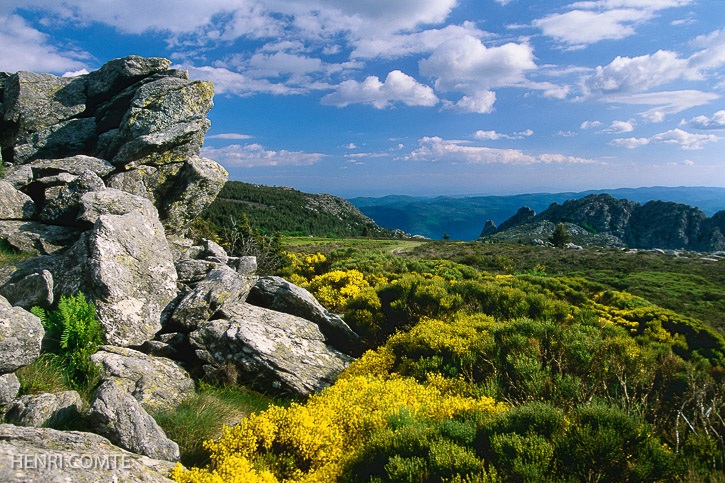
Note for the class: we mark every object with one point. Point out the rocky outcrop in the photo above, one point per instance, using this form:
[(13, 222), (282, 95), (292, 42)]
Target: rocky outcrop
[(269, 348), (103, 179), (116, 415), (488, 229), (21, 334), (278, 294), (50, 456), (156, 382), (45, 409), (9, 387), (221, 287), (524, 215), (134, 123), (15, 205), (656, 224)]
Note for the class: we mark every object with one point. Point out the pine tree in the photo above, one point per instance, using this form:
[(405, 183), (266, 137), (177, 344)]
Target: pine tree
[(560, 237)]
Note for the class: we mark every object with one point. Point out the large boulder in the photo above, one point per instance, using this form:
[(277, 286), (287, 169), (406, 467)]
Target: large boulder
[(165, 123), (116, 415), (124, 266), (36, 237), (20, 336), (33, 101), (9, 387), (221, 286), (279, 350), (45, 409), (111, 202), (198, 185), (14, 204), (63, 208), (30, 290), (278, 294), (50, 456), (156, 382)]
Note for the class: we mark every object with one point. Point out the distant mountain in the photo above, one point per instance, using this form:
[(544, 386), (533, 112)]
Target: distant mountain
[(603, 219), (291, 212), (463, 218)]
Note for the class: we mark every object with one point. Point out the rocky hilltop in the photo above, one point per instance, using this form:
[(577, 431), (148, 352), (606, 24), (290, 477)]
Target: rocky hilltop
[(602, 219), (102, 179)]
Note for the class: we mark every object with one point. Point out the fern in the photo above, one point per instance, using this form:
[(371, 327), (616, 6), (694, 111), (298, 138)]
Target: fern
[(74, 333)]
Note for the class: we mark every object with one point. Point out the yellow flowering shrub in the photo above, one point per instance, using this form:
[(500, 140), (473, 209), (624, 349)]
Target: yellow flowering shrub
[(334, 289), (310, 443)]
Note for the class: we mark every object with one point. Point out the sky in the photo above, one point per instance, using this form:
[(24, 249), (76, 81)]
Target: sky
[(421, 97)]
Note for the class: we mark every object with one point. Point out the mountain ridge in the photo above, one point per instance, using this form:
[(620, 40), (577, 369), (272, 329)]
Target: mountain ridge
[(655, 224), (463, 217)]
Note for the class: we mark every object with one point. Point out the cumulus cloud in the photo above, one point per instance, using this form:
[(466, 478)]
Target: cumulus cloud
[(493, 135), (620, 127), (480, 103), (717, 121), (677, 137), (255, 155), (397, 87), (592, 21), (436, 149), (590, 124), (25, 48), (626, 75), (465, 64), (400, 44), (578, 28), (230, 82)]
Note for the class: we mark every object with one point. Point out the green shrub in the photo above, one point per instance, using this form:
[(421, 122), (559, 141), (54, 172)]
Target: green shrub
[(73, 333)]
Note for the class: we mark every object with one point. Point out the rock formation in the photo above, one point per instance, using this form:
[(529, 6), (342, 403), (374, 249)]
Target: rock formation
[(656, 224), (102, 180)]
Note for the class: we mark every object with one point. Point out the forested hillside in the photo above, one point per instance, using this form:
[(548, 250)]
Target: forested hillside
[(292, 212)]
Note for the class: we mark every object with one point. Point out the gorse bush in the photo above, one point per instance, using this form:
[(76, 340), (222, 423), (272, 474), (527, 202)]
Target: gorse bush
[(476, 377), (74, 334)]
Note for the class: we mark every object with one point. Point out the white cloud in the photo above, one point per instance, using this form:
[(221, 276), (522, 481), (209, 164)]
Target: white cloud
[(684, 139), (255, 155), (229, 82), (400, 44), (480, 103), (398, 87), (590, 124), (592, 21), (493, 135), (666, 102), (229, 135), (625, 75), (577, 28), (629, 143), (436, 149), (466, 65), (636, 74), (717, 121), (678, 137), (620, 127), (25, 48)]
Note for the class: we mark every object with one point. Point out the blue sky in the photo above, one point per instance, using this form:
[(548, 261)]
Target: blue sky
[(422, 97)]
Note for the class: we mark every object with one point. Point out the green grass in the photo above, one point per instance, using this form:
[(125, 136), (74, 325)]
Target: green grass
[(202, 417), (687, 285), (9, 255), (45, 374)]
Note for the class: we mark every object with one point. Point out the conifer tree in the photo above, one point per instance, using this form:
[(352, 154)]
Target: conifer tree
[(560, 237)]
